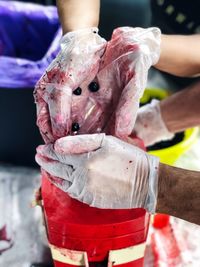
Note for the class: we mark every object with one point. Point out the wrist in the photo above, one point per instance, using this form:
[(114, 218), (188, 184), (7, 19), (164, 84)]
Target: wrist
[(72, 26), (150, 126), (168, 112), (164, 46), (87, 35), (81, 31), (152, 183)]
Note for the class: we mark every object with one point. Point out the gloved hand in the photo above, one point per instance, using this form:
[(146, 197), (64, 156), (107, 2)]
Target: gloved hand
[(150, 126), (121, 80), (123, 72), (102, 171), (77, 62), (107, 99)]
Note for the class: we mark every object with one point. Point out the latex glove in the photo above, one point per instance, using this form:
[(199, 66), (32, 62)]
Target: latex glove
[(150, 126), (128, 57), (102, 171), (77, 61), (120, 81)]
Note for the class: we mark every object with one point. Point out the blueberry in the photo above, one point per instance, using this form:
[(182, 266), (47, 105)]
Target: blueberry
[(75, 127), (93, 87), (77, 91)]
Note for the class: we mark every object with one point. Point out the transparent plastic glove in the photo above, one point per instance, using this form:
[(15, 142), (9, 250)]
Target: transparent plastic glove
[(120, 82), (149, 125), (108, 94), (102, 171), (131, 52), (77, 61)]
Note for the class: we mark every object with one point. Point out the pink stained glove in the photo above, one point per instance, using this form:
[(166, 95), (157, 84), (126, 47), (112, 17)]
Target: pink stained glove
[(77, 62), (112, 106), (102, 171), (109, 101)]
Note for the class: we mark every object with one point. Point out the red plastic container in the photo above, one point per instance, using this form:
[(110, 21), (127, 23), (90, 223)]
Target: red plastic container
[(80, 235), (76, 230)]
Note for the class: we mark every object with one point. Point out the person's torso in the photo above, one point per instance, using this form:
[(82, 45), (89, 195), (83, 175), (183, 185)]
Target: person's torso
[(176, 16)]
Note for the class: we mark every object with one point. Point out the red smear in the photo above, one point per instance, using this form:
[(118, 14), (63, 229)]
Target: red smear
[(55, 76), (165, 248), (4, 237), (137, 141)]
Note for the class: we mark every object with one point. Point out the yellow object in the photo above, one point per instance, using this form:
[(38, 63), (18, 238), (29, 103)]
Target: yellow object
[(169, 155), (151, 93)]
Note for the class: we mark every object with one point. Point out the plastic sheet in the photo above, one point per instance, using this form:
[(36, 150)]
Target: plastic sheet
[(29, 40)]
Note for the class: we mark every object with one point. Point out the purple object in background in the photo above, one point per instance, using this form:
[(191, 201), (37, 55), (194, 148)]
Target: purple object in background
[(29, 40)]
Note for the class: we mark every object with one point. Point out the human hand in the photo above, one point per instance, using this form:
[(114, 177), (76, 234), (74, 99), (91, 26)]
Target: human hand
[(150, 126), (77, 62), (127, 59), (112, 106), (102, 171), (107, 99)]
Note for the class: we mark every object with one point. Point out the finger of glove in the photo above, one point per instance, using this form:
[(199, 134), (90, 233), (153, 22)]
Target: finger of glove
[(74, 145), (126, 110), (149, 40), (139, 45), (60, 183), (43, 121), (54, 167), (124, 69), (78, 144), (129, 102), (48, 152), (59, 103), (79, 184)]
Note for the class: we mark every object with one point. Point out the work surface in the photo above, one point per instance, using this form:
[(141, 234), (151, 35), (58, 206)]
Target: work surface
[(179, 244), (25, 229), (23, 223)]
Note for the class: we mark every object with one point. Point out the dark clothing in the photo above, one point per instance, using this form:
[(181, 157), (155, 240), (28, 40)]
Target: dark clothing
[(176, 16)]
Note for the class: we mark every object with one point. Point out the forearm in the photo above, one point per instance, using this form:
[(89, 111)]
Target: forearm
[(179, 193), (182, 110), (78, 14), (180, 55)]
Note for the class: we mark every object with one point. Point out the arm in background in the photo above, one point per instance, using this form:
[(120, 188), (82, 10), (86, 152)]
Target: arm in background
[(160, 120), (180, 55), (179, 193), (182, 110), (78, 14)]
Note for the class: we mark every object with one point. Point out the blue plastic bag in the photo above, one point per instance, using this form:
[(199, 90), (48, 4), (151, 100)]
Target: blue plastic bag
[(29, 40)]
